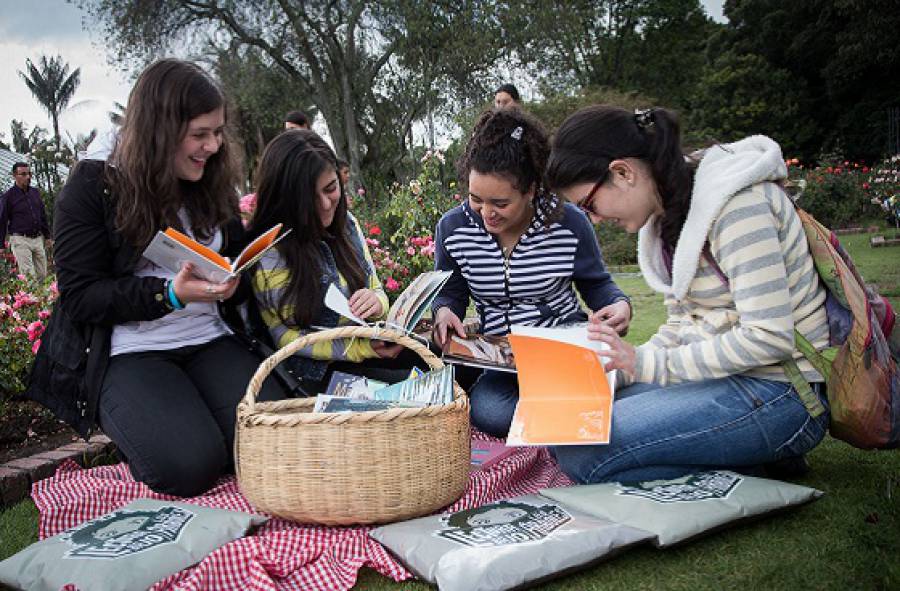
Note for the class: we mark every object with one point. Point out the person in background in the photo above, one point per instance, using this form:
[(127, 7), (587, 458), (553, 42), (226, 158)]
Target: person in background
[(298, 186), (344, 174), (721, 240), (141, 351), (519, 251), (506, 95), (296, 120), (24, 220)]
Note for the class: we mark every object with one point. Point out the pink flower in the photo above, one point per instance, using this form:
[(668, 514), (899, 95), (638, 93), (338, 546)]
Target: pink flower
[(411, 251), (20, 277), (248, 203), (54, 288), (427, 250), (44, 314), (35, 346), (20, 329), (360, 191), (35, 329), (391, 284), (371, 242)]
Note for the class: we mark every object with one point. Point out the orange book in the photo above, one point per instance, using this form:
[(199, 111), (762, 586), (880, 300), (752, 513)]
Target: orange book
[(170, 249), (565, 395)]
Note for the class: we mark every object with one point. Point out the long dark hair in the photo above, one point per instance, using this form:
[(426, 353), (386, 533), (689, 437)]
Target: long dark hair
[(512, 144), (591, 138), (140, 171), (286, 193)]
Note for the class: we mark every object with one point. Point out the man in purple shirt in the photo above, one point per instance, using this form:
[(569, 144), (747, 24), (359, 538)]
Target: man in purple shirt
[(23, 218)]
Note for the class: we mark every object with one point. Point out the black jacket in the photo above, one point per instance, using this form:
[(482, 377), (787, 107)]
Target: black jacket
[(97, 287)]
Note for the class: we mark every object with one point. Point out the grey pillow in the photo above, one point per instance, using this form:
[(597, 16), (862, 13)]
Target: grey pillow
[(131, 548), (675, 510), (504, 544)]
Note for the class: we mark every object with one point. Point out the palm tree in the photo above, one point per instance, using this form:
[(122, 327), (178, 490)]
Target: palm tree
[(52, 85)]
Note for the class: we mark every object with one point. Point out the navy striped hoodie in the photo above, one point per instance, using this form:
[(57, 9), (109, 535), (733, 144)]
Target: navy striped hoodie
[(535, 287)]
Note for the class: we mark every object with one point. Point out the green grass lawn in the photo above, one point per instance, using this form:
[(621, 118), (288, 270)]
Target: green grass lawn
[(849, 539)]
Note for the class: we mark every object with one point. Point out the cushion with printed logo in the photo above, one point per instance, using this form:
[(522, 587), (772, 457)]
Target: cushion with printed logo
[(678, 509), (503, 544), (131, 548)]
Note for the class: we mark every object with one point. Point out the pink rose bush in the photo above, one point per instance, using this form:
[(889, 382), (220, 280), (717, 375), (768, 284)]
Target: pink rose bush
[(25, 307)]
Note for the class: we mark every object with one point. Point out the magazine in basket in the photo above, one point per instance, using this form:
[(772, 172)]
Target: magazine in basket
[(406, 310), (170, 249), (565, 394), (348, 392)]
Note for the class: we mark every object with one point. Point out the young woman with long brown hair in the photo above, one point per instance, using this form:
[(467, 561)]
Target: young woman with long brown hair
[(141, 351)]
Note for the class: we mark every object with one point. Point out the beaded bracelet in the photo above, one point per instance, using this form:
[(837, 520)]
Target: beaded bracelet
[(173, 299)]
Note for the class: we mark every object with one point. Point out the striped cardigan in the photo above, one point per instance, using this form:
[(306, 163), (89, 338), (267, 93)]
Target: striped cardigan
[(270, 279), (535, 285), (745, 326)]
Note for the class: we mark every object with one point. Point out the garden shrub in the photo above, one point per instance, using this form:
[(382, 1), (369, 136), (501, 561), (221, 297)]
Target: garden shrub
[(25, 306), (400, 235), (882, 183), (835, 196), (617, 246)]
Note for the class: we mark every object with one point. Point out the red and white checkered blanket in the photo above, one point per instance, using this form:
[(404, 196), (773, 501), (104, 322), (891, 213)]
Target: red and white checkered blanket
[(281, 554)]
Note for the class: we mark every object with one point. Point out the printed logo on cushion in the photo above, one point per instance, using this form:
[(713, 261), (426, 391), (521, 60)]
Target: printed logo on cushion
[(502, 523), (123, 533), (695, 487)]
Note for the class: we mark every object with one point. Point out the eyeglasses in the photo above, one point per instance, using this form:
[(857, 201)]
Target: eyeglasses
[(586, 203)]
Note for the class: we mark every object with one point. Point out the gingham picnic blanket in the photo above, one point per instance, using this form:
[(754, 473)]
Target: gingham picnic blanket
[(282, 554)]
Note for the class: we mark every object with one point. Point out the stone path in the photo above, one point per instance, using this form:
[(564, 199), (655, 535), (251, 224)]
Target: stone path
[(17, 476)]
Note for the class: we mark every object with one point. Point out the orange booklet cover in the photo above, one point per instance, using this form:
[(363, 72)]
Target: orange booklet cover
[(565, 395), (170, 249)]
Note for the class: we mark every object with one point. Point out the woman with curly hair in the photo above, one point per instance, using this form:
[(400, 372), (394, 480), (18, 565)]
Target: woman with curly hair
[(518, 251)]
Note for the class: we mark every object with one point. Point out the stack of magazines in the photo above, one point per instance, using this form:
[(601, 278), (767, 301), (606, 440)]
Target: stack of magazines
[(352, 393)]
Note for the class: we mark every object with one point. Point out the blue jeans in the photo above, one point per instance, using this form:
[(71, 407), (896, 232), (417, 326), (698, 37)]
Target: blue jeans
[(493, 399), (666, 432)]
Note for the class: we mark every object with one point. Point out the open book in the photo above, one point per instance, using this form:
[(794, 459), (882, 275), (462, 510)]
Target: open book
[(170, 249), (405, 312), (565, 395), (485, 351)]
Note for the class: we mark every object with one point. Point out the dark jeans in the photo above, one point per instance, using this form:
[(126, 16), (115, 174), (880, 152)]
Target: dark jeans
[(172, 413)]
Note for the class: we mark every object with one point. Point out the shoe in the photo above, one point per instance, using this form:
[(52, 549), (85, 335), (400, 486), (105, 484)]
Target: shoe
[(787, 468)]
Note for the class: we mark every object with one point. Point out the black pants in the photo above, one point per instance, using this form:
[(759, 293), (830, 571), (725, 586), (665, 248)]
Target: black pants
[(172, 413)]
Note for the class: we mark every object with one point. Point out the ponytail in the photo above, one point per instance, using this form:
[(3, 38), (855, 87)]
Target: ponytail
[(591, 138)]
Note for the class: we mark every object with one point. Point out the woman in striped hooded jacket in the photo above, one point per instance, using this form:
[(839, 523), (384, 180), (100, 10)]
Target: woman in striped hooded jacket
[(720, 239)]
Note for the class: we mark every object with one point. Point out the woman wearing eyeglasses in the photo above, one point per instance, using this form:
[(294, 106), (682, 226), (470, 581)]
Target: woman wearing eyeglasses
[(720, 238), (519, 252)]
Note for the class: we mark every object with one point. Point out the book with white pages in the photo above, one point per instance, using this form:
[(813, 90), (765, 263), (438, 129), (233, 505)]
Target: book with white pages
[(406, 310)]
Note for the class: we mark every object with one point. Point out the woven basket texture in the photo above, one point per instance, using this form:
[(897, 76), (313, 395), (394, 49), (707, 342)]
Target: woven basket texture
[(350, 468)]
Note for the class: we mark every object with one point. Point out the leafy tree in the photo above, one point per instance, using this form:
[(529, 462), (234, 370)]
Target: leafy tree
[(651, 46), (844, 52), (358, 61), (261, 96), (741, 95), (53, 86), (24, 141)]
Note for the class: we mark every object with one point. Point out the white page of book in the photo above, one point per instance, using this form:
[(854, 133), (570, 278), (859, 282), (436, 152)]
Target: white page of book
[(338, 302)]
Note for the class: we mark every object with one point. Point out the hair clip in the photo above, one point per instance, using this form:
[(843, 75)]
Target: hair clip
[(517, 133), (645, 118)]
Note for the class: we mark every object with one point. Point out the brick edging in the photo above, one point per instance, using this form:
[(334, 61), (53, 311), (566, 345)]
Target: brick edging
[(17, 476)]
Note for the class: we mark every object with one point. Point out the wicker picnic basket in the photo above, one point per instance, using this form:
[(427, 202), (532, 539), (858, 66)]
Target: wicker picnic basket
[(350, 468)]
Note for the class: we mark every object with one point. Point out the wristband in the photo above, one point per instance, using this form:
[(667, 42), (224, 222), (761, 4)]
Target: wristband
[(173, 299)]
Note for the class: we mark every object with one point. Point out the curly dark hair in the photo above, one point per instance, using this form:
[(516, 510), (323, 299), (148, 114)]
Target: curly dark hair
[(513, 144)]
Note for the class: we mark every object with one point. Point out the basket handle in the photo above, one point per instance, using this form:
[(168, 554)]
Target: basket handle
[(384, 334)]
